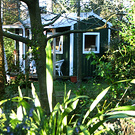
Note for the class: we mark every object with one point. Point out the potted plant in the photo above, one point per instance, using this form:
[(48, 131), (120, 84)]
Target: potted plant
[(73, 78)]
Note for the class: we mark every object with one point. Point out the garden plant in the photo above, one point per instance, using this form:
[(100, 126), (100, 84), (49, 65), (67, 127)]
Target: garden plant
[(27, 117)]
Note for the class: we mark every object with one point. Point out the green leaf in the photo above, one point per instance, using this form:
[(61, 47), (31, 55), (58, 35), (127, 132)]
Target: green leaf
[(49, 74), (95, 102), (25, 105), (67, 96), (84, 130), (74, 104), (95, 118), (124, 108), (74, 99), (121, 114), (99, 132), (70, 130), (20, 113), (35, 96), (20, 92), (133, 81), (3, 101), (96, 126)]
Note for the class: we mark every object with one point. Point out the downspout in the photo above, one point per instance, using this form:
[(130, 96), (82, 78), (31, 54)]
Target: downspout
[(109, 37), (71, 52), (54, 53)]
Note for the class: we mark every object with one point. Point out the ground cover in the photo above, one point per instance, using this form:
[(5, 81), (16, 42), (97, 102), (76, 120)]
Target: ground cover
[(90, 88)]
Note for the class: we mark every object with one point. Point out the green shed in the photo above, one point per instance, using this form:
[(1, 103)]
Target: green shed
[(66, 44)]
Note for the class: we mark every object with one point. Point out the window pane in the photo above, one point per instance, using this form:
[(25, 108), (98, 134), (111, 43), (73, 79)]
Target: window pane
[(90, 43), (57, 43)]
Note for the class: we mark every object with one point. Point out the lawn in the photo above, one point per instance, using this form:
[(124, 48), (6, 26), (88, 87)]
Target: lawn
[(90, 88)]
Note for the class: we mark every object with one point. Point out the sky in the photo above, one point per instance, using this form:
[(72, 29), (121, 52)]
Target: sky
[(42, 3), (125, 2)]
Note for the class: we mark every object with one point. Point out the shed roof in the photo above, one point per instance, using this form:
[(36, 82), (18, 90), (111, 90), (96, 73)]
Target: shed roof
[(65, 20)]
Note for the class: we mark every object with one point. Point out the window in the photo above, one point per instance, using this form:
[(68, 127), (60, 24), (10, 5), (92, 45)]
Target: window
[(59, 44), (91, 41)]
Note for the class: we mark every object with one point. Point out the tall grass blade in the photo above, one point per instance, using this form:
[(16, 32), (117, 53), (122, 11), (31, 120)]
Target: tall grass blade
[(96, 126), (84, 130), (49, 74), (35, 96), (20, 92)]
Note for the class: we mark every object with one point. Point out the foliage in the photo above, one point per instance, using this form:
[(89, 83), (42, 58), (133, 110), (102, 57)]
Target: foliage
[(118, 62), (30, 118), (9, 50), (128, 27), (10, 11)]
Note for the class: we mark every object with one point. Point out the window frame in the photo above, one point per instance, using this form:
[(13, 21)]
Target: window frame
[(97, 34), (61, 40)]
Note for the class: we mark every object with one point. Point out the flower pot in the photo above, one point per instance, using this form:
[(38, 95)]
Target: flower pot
[(13, 78), (73, 79)]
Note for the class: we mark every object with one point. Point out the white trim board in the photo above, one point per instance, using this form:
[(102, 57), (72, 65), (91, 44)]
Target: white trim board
[(97, 34), (71, 55)]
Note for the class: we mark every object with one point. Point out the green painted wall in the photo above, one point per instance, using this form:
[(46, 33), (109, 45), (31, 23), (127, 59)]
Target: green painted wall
[(87, 68)]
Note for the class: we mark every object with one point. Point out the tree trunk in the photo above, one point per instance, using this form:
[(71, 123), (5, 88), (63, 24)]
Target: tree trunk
[(79, 46), (38, 46), (2, 69)]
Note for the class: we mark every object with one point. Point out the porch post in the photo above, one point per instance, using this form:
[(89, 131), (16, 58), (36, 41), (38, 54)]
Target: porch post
[(109, 37), (24, 51), (20, 50), (71, 52), (54, 53)]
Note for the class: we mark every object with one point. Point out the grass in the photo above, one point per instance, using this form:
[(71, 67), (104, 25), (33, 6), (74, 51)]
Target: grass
[(90, 88)]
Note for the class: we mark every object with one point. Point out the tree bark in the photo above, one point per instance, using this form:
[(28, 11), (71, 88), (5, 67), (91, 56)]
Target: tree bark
[(2, 69), (79, 53)]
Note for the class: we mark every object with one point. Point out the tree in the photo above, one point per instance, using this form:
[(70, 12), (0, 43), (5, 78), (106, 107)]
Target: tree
[(38, 44), (2, 70), (79, 61), (10, 11)]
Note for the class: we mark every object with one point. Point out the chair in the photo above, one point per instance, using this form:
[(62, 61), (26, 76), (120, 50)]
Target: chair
[(58, 65)]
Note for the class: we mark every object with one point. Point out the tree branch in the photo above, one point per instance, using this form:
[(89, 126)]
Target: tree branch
[(16, 37), (54, 19), (76, 31), (26, 1), (62, 6), (82, 31)]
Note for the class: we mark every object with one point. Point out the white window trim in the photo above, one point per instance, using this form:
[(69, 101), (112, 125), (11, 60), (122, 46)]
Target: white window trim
[(97, 42), (61, 40)]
